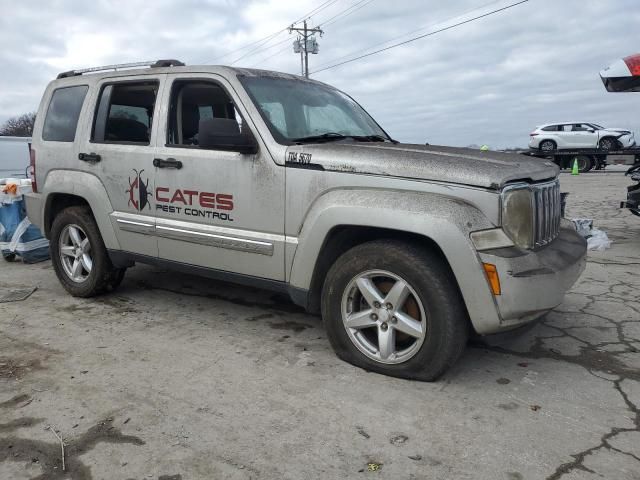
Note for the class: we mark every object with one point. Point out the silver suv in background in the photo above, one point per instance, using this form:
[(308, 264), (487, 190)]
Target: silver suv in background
[(285, 183), (572, 135)]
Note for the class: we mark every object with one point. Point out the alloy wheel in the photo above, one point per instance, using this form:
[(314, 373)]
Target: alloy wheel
[(75, 253), (383, 316)]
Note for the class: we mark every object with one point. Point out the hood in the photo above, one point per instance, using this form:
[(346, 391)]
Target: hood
[(463, 166), (617, 130)]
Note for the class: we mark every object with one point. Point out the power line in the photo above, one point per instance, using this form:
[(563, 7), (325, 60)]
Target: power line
[(287, 40), (262, 60), (424, 36), (353, 11), (270, 37), (424, 27), (259, 49), (335, 18)]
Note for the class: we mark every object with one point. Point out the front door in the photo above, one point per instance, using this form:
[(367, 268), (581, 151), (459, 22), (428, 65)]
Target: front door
[(583, 136), (121, 150), (216, 209)]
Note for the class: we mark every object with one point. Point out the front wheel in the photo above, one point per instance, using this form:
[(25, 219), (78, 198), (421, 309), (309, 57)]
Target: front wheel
[(606, 144), (394, 308), (79, 256)]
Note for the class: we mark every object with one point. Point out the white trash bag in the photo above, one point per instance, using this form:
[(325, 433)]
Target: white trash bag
[(597, 240)]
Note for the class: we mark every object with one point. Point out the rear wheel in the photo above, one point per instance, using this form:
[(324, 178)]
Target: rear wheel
[(548, 146), (585, 163), (394, 308), (79, 256)]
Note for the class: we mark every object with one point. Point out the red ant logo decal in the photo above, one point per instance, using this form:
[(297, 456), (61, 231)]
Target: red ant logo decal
[(138, 192)]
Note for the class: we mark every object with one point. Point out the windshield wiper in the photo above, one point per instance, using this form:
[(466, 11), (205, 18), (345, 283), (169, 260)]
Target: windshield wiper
[(333, 136)]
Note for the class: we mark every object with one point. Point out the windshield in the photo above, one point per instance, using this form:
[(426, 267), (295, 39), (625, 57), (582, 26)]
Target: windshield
[(597, 127), (297, 111)]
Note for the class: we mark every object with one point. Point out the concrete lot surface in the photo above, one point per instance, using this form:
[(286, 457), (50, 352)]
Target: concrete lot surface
[(175, 377)]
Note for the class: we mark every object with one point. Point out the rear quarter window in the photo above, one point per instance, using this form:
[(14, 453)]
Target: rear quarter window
[(61, 121)]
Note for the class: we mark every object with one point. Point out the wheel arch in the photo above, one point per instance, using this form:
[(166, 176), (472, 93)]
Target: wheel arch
[(64, 188), (344, 219), (342, 238)]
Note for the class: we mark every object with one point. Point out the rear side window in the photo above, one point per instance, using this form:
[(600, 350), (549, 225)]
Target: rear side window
[(551, 128), (62, 115), (125, 113)]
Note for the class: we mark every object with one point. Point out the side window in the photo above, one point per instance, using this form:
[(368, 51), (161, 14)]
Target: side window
[(580, 127), (551, 128), (566, 128), (193, 101), (62, 115), (125, 113)]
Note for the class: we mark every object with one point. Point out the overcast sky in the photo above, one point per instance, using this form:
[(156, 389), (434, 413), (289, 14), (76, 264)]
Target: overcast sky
[(490, 81)]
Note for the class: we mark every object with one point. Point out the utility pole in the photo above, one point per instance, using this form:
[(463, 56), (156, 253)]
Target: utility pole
[(305, 44)]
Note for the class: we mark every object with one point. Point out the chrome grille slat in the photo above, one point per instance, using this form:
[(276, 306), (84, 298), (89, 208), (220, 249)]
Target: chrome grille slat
[(547, 215)]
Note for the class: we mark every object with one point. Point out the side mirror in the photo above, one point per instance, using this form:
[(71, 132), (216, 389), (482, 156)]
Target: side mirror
[(590, 130), (224, 134)]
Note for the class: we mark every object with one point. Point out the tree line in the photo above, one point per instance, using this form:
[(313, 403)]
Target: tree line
[(20, 126)]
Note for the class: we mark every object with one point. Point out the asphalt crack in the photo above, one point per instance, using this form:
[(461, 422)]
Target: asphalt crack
[(594, 359)]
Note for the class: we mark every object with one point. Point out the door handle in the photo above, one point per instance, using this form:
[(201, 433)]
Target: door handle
[(167, 163), (89, 157)]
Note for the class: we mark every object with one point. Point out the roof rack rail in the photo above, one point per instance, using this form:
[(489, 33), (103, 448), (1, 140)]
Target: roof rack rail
[(120, 66)]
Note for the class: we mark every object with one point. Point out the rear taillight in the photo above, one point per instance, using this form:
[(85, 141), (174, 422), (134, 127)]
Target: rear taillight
[(32, 169), (533, 134)]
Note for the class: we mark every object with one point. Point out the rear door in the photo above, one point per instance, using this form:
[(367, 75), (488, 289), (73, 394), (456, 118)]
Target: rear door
[(120, 151), (217, 209), (565, 136)]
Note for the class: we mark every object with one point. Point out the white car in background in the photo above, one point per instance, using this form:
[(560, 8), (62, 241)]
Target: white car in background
[(570, 135)]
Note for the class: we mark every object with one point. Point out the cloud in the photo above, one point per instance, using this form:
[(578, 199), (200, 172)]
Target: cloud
[(490, 81)]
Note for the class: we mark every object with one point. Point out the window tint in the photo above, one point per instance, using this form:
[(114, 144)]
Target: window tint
[(62, 115), (192, 101), (551, 128), (125, 113)]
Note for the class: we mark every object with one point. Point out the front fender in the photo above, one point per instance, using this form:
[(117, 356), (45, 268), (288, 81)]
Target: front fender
[(88, 187), (447, 221)]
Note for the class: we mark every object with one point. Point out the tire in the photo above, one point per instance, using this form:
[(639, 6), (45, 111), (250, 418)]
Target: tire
[(73, 230), (607, 143), (548, 146), (585, 163), (432, 297)]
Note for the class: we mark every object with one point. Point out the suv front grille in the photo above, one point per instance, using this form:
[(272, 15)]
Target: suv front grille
[(547, 212)]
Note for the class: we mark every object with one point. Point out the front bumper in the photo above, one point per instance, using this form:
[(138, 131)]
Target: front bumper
[(534, 282), (627, 141)]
